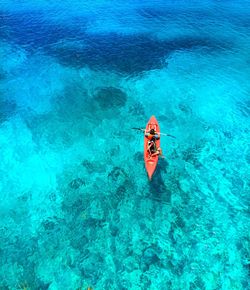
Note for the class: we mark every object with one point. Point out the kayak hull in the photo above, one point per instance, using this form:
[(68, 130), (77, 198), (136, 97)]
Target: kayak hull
[(151, 163)]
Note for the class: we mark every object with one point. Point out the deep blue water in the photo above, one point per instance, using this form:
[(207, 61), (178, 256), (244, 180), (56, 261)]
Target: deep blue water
[(77, 209)]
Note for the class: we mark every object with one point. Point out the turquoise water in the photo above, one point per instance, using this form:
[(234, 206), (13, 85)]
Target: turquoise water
[(76, 208)]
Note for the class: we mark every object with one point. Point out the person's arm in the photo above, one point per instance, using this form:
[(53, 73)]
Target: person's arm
[(150, 145)]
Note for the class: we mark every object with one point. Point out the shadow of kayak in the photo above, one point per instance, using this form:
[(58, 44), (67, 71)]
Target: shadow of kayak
[(158, 188)]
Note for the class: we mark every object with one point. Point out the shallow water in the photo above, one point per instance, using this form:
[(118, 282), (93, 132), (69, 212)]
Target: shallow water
[(76, 207)]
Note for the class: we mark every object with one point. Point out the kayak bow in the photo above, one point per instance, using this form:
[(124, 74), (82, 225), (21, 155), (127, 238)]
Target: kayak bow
[(151, 163)]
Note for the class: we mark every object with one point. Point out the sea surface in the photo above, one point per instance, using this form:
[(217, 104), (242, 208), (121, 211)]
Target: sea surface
[(76, 207)]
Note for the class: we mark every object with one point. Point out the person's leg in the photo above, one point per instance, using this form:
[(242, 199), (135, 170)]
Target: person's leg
[(154, 154), (150, 146), (157, 152)]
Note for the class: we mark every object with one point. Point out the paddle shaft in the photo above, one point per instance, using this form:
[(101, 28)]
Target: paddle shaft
[(144, 130)]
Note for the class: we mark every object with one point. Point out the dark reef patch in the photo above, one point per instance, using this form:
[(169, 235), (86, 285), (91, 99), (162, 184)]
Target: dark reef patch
[(2, 74), (179, 221), (76, 183), (110, 97), (93, 167), (73, 46), (17, 252), (138, 156), (7, 110), (127, 53), (150, 256), (33, 29), (92, 268), (117, 174), (185, 108), (137, 110), (192, 154)]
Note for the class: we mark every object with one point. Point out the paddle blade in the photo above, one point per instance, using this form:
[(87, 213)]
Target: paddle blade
[(138, 129)]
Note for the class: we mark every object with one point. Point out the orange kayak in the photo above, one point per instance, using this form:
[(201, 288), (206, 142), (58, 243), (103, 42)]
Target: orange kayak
[(151, 163)]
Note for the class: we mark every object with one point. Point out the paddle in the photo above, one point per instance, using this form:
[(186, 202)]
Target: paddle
[(140, 129)]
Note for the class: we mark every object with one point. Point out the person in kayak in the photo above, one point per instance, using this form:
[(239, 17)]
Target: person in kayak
[(158, 152), (151, 146), (152, 134), (153, 150)]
